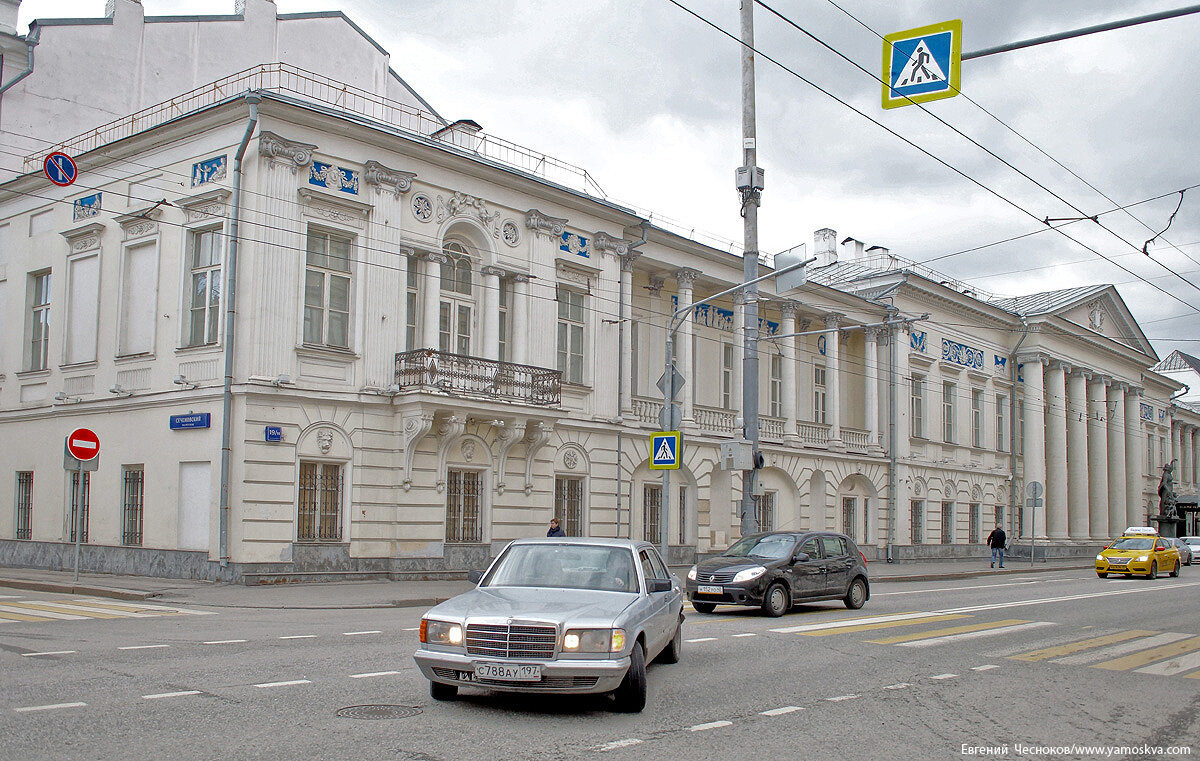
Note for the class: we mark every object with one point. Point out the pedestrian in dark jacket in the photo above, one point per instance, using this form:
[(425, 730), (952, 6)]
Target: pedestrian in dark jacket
[(554, 529), (997, 540)]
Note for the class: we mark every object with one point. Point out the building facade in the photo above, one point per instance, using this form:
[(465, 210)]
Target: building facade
[(441, 340)]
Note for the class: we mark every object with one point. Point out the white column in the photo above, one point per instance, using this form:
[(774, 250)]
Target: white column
[(1077, 456), (431, 296), (1135, 455), (787, 348), (520, 319), (1116, 459), (871, 385), (683, 346), (739, 333), (627, 261), (1097, 457), (1034, 452), (1175, 455), (491, 312), (833, 399), (1056, 451), (1189, 454)]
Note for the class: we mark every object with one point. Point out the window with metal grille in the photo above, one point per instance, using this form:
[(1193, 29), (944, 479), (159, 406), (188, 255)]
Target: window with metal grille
[(204, 312), (1020, 520), (76, 519), (133, 489), (947, 523), (464, 518), (974, 522), (683, 527), (916, 518), (850, 517), (319, 513), (570, 335), (39, 321), (24, 505), (327, 289), (568, 504), (652, 513), (866, 521), (764, 510), (917, 406), (999, 515)]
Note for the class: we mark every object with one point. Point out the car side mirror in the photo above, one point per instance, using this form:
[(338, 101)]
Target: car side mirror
[(801, 557), (474, 576), (658, 585)]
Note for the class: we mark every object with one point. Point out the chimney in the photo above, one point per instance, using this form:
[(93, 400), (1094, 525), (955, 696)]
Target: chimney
[(852, 250), (8, 16), (825, 246), (463, 133)]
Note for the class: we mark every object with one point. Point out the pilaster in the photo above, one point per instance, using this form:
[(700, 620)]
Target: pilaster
[(1077, 457), (1097, 460), (1055, 395)]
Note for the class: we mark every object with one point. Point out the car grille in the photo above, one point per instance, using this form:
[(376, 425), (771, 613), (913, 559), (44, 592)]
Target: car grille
[(1118, 561), (715, 577), (511, 640), (546, 682)]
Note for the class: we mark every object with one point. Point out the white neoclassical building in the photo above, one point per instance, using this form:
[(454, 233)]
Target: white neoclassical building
[(320, 331)]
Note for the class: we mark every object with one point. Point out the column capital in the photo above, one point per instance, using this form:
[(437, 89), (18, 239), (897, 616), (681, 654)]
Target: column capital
[(739, 298), (686, 276), (291, 153), (872, 334), (1058, 364), (491, 271), (521, 277), (787, 309), (604, 242), (1026, 359), (627, 260), (656, 284), (437, 257), (543, 224), (833, 319), (1099, 379)]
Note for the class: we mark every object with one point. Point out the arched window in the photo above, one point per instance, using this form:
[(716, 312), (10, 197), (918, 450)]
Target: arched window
[(456, 310)]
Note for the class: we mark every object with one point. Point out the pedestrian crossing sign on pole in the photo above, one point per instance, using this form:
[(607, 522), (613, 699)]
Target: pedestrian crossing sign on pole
[(922, 64), (666, 450)]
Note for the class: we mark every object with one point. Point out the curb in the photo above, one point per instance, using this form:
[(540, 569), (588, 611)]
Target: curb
[(971, 574), (77, 589)]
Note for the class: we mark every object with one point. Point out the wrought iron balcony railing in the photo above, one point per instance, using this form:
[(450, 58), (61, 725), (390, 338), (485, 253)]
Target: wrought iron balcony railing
[(456, 374)]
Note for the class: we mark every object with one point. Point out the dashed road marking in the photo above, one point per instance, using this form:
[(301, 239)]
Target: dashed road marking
[(55, 706), (224, 641), (143, 647), (985, 667), (942, 677), (746, 634), (898, 686), (50, 652), (162, 695), (781, 711), (284, 684), (355, 634), (840, 698), (701, 639), (710, 725), (373, 673), (300, 636), (618, 744)]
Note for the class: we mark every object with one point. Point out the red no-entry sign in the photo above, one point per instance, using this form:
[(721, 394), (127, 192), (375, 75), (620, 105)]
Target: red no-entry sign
[(83, 444)]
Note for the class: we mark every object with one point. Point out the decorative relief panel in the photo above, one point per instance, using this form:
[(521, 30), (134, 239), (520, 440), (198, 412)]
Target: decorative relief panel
[(205, 211), (712, 316), (385, 178), (574, 244), (1000, 364), (570, 275), (916, 340), (510, 233), (961, 354), (1147, 411), (1096, 314), (84, 238), (333, 177), (422, 207), (87, 207), (209, 170), (463, 205)]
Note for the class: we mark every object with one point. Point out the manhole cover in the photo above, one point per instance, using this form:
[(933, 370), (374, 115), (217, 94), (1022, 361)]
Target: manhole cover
[(379, 712)]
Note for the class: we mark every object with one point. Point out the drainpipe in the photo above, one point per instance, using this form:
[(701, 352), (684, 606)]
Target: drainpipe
[(893, 337), (253, 99), (1012, 436), (31, 41), (621, 380)]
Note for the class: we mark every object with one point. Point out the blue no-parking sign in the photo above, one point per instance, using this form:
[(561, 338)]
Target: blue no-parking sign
[(922, 64), (60, 169), (666, 450)]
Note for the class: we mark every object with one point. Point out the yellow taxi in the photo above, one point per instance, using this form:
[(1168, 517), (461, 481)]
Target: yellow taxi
[(1139, 550)]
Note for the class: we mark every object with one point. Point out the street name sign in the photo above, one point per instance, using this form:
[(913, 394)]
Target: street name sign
[(922, 64), (666, 450)]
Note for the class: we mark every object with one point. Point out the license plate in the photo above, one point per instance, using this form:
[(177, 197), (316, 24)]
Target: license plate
[(709, 590), (508, 672)]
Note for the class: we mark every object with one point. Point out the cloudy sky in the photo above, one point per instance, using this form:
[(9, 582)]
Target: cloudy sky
[(646, 97)]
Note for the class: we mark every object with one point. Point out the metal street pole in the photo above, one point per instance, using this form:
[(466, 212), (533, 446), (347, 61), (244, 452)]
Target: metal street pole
[(78, 518), (750, 188)]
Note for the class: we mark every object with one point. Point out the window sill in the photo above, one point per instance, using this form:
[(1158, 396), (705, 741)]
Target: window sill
[(24, 375), (312, 351), (125, 359), (90, 365), (212, 348)]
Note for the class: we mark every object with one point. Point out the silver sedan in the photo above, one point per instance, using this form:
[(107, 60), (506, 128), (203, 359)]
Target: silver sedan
[(557, 615)]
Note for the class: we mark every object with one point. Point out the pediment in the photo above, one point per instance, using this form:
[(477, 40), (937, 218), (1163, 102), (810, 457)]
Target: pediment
[(1105, 313)]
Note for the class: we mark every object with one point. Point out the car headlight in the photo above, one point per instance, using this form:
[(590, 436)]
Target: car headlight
[(1099, 557), (440, 632), (594, 641), (1143, 558), (749, 574), (692, 574)]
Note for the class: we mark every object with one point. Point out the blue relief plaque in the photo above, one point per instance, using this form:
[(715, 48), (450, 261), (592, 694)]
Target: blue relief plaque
[(916, 340), (575, 244), (961, 354), (87, 207), (333, 177), (209, 170)]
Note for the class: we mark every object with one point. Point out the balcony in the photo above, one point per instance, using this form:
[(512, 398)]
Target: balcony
[(457, 375)]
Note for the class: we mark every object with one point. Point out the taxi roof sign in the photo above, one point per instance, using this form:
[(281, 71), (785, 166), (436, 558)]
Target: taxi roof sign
[(666, 450), (922, 64), (1141, 531)]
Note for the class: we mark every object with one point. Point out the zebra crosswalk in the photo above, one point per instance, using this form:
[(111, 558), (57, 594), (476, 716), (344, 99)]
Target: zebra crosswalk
[(1137, 650), (14, 609)]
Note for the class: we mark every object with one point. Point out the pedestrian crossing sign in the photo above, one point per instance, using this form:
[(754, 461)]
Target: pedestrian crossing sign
[(666, 450), (922, 64)]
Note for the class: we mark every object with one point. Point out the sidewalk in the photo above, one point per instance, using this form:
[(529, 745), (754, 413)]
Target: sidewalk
[(405, 594)]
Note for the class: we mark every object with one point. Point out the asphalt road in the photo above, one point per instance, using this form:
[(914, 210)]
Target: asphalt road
[(934, 670)]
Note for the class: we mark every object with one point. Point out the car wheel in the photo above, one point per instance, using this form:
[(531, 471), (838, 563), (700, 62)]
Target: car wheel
[(776, 601), (1175, 571), (1102, 574), (856, 596), (1153, 570), (674, 648), (631, 693), (440, 691), (704, 607)]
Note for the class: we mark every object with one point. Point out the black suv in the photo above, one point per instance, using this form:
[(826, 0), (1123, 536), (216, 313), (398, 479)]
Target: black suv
[(779, 569)]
